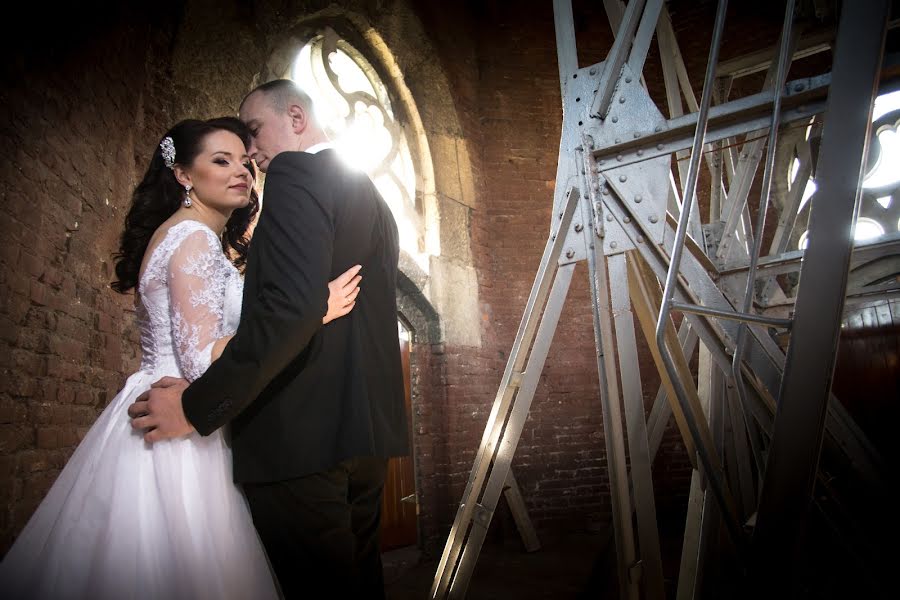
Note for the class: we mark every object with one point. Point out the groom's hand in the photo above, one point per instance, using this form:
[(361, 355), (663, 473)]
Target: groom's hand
[(158, 411)]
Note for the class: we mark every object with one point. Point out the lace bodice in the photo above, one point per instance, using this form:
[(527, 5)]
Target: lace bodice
[(189, 296)]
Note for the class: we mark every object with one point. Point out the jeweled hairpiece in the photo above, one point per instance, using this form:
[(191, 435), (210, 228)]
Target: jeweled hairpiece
[(168, 151)]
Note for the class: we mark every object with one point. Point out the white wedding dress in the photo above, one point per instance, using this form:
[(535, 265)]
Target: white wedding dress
[(126, 519)]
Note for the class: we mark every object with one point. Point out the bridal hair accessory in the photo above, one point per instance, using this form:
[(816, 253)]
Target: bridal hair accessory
[(187, 192), (168, 151)]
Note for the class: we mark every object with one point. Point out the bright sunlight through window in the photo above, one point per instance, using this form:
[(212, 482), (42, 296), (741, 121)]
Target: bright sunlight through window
[(352, 104)]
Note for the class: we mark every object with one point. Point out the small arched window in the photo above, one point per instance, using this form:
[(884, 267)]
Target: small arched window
[(354, 107)]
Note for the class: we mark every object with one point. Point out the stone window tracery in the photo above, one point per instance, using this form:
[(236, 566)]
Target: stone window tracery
[(354, 106)]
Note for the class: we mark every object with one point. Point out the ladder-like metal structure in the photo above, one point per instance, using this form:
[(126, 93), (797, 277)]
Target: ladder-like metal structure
[(651, 253)]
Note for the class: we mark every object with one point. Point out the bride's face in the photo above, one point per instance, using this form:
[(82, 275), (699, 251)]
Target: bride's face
[(220, 174)]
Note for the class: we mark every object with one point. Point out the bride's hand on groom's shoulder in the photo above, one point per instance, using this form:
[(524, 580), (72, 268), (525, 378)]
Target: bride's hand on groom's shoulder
[(158, 411)]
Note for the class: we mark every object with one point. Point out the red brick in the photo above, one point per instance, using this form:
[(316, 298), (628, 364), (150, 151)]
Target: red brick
[(47, 438)]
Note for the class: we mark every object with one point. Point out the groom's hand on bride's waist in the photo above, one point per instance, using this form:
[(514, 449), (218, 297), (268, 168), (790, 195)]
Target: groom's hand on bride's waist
[(158, 411)]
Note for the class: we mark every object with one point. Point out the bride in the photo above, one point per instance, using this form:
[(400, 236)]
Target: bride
[(126, 519)]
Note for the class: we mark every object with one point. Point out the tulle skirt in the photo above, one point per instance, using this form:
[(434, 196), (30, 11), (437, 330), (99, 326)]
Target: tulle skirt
[(126, 519)]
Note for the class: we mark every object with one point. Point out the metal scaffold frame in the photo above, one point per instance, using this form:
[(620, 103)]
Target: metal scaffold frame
[(755, 424)]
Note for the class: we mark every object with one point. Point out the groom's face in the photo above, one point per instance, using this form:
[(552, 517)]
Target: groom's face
[(272, 130)]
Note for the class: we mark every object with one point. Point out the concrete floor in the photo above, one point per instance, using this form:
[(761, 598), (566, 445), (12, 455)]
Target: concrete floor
[(562, 569)]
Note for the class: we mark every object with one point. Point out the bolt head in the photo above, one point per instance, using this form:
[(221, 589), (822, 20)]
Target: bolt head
[(615, 119), (640, 239), (659, 146), (578, 227), (621, 99), (593, 71), (658, 128), (619, 157), (638, 199), (570, 253), (627, 219), (613, 245), (640, 152), (609, 217), (623, 178), (654, 218)]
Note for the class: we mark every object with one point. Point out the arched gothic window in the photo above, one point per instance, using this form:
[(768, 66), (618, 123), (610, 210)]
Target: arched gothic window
[(354, 107)]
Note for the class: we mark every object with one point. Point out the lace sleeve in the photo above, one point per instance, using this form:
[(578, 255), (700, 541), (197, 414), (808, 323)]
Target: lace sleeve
[(196, 278)]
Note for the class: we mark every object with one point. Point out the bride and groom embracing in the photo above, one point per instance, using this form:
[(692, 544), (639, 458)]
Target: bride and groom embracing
[(305, 373)]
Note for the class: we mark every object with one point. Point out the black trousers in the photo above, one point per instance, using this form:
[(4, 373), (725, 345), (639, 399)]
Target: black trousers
[(321, 531)]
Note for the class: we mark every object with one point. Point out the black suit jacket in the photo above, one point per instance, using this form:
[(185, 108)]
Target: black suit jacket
[(301, 396)]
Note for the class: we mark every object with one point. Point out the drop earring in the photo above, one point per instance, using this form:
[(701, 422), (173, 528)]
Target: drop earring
[(187, 196)]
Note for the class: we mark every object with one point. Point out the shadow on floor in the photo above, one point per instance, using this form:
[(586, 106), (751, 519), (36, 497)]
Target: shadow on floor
[(564, 568)]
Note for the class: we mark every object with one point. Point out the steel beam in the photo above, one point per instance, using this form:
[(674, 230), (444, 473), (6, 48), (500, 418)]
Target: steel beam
[(800, 420)]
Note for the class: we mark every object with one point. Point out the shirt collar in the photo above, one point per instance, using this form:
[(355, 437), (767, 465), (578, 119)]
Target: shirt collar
[(316, 148)]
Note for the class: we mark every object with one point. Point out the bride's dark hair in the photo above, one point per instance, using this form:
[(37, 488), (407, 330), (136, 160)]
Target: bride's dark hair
[(159, 195)]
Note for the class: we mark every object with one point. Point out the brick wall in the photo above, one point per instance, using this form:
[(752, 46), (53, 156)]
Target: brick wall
[(78, 105)]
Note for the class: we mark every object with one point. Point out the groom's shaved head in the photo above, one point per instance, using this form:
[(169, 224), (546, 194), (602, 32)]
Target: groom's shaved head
[(281, 94), (281, 119)]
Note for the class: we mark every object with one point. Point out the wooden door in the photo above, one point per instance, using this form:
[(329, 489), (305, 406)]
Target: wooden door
[(399, 507)]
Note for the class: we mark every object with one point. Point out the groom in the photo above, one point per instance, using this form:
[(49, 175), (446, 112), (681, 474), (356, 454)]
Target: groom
[(315, 411)]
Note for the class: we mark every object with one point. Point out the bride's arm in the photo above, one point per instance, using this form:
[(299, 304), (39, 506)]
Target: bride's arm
[(219, 346), (342, 294), (196, 297)]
